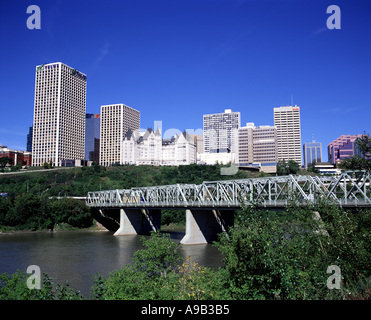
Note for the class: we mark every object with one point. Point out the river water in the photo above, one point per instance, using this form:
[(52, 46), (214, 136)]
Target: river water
[(77, 256)]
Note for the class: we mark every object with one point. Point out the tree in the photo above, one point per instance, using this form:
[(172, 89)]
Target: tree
[(281, 255), (4, 161), (46, 165), (364, 144), (358, 162), (312, 167), (286, 168), (355, 163)]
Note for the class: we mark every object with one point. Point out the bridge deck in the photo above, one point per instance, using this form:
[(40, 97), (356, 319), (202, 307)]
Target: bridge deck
[(350, 189)]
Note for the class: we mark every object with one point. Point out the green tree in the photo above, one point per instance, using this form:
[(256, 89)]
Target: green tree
[(286, 168), (5, 160), (286, 255), (71, 211), (364, 144), (145, 277), (358, 162), (355, 163), (14, 287)]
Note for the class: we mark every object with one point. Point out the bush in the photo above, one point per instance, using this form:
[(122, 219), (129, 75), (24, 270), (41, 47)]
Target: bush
[(14, 287), (285, 256), (156, 274)]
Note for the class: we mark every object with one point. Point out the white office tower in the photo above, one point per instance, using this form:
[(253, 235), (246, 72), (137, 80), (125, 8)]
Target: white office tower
[(256, 146), (287, 122), (219, 131), (116, 120), (59, 114)]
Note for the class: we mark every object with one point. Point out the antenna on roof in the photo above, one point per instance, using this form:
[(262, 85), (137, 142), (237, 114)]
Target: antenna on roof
[(292, 101)]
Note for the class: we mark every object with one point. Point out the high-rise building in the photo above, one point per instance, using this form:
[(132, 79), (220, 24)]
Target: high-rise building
[(199, 142), (29, 139), (59, 114), (312, 152), (341, 148), (115, 121), (257, 145), (287, 122), (92, 137), (219, 131)]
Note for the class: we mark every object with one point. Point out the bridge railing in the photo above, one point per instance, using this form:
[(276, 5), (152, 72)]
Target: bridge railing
[(350, 188)]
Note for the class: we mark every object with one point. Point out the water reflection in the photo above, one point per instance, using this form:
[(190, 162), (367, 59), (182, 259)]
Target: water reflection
[(77, 256)]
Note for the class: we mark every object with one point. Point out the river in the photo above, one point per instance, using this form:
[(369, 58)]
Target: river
[(77, 256)]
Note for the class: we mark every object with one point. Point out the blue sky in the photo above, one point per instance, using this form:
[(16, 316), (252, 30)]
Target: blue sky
[(175, 60)]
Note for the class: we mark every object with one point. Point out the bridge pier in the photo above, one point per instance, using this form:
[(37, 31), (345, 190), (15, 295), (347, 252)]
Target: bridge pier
[(203, 225), (138, 221)]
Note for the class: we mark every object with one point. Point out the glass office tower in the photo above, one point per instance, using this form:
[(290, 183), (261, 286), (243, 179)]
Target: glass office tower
[(92, 137), (312, 153)]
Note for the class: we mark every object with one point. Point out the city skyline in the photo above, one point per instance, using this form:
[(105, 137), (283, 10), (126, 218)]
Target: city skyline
[(177, 62)]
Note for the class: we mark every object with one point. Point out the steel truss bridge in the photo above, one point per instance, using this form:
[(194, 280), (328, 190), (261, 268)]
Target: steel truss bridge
[(350, 189)]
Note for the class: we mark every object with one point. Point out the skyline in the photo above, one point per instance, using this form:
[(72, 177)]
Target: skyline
[(175, 61)]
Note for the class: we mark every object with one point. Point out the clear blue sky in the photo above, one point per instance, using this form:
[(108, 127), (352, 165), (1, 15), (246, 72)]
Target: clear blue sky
[(175, 60)]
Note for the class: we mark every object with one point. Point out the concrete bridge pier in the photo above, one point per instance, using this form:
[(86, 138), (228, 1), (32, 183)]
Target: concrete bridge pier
[(138, 221), (203, 225)]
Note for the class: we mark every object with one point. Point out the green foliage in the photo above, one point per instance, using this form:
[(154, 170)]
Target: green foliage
[(14, 287), (159, 256), (285, 168), (32, 212), (359, 162), (355, 163), (364, 144), (267, 255), (156, 274), (172, 216), (37, 212), (72, 211), (149, 270), (286, 255), (5, 160)]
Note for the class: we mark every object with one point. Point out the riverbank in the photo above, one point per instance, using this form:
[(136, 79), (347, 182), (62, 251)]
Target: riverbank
[(63, 227), (174, 227)]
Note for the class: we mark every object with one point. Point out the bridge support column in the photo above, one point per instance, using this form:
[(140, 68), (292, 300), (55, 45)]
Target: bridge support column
[(203, 226), (138, 221)]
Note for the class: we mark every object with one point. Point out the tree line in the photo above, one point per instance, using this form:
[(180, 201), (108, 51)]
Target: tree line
[(32, 212), (29, 201)]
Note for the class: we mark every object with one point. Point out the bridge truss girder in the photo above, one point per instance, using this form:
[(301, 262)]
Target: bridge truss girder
[(351, 188)]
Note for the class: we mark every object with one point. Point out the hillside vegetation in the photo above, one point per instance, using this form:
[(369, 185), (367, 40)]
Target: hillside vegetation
[(79, 181), (28, 205)]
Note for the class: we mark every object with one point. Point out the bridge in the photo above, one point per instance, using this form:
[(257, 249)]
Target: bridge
[(210, 205)]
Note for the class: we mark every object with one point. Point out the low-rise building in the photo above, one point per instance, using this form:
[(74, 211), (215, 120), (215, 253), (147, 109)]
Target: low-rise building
[(149, 148), (23, 158)]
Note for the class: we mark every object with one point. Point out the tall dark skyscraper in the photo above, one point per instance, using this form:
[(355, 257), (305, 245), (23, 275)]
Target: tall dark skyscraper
[(92, 137), (29, 140)]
